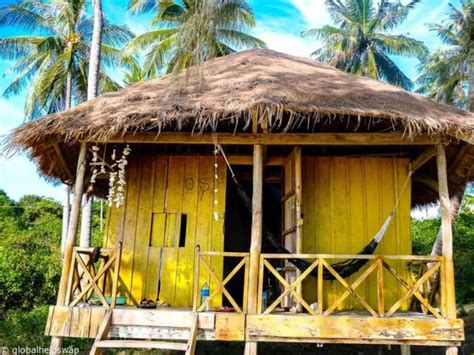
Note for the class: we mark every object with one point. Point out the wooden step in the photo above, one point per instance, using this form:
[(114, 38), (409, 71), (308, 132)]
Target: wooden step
[(141, 344)]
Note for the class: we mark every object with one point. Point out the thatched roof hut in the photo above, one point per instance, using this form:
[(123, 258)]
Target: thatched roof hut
[(289, 93)]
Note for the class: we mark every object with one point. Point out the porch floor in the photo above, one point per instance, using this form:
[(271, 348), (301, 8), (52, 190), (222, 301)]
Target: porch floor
[(174, 323)]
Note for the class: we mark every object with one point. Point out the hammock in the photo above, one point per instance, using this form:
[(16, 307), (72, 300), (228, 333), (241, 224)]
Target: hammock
[(344, 268)]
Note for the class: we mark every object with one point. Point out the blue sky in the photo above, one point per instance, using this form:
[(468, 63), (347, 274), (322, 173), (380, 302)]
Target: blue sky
[(279, 24)]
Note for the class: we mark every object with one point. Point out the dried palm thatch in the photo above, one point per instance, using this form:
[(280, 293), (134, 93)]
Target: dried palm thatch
[(286, 90), (290, 93)]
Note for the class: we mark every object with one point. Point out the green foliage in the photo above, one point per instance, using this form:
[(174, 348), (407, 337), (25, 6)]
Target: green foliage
[(424, 234), (363, 40), (189, 32), (55, 52), (444, 76), (30, 266)]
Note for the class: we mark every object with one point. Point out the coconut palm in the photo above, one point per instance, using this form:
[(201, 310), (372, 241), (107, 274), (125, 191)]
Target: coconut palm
[(92, 91), (51, 60), (448, 75), (362, 41), (189, 32)]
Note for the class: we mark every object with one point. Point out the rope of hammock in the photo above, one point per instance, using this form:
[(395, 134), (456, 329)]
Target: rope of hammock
[(344, 268)]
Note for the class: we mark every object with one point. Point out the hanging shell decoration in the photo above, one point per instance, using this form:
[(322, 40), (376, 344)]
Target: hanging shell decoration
[(117, 177), (117, 173)]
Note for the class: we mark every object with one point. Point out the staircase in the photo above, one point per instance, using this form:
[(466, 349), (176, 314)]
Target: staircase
[(102, 340)]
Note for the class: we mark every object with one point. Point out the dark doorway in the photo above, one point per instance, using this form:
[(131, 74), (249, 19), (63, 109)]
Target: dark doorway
[(238, 221)]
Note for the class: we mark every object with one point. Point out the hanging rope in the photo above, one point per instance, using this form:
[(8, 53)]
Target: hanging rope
[(344, 268)]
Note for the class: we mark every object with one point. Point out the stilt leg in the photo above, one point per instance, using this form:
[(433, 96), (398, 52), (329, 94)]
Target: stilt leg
[(56, 345), (452, 350), (405, 350), (250, 348)]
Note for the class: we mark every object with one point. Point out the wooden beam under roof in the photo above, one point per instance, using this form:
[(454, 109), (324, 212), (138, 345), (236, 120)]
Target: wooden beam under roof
[(423, 158), (58, 151), (314, 139)]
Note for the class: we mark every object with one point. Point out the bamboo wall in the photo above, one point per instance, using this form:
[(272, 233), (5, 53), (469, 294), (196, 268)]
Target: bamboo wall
[(345, 202), (159, 192)]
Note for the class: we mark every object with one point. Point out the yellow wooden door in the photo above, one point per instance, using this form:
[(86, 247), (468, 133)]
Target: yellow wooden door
[(173, 203)]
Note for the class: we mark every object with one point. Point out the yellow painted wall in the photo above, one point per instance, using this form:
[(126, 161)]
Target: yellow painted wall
[(159, 190), (346, 201)]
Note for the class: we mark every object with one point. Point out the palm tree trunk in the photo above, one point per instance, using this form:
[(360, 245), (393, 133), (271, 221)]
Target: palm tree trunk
[(66, 213), (67, 202), (92, 90), (456, 201), (470, 103), (94, 61)]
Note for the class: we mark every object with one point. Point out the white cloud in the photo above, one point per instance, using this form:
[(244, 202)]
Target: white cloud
[(287, 43), (314, 12)]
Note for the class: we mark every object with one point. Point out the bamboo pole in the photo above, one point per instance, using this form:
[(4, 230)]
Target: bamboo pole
[(56, 342), (447, 235), (73, 223), (256, 238)]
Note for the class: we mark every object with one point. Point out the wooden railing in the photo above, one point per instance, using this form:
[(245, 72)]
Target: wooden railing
[(88, 277), (200, 263), (423, 288)]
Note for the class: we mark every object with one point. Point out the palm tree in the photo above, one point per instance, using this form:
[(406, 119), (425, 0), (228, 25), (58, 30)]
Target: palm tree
[(448, 74), (362, 43), (189, 32), (52, 59), (441, 80), (92, 91)]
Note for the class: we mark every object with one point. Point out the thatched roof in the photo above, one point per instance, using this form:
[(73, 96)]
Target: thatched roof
[(288, 88), (290, 93)]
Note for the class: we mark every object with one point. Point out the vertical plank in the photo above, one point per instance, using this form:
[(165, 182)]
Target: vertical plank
[(324, 198), (204, 211), (374, 189), (143, 228), (184, 271), (309, 225), (157, 233), (390, 241), (174, 198), (216, 241), (341, 240), (129, 229), (355, 202)]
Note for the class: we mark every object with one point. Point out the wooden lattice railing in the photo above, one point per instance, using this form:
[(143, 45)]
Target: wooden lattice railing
[(200, 263), (88, 277), (423, 288)]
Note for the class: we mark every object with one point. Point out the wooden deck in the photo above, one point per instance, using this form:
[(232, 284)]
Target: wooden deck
[(173, 324)]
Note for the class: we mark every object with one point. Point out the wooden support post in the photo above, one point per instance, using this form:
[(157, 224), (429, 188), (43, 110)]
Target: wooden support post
[(71, 234), (256, 238), (299, 215), (447, 235)]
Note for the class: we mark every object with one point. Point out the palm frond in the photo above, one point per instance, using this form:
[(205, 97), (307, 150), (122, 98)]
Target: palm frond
[(390, 72), (142, 6), (401, 45), (20, 16)]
